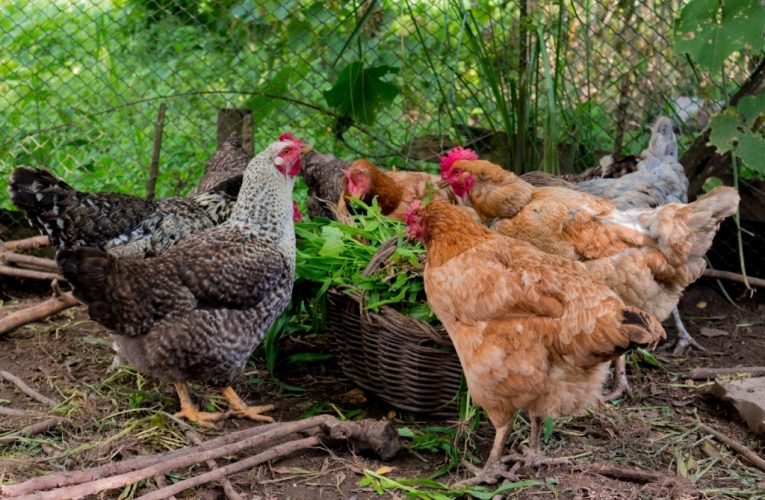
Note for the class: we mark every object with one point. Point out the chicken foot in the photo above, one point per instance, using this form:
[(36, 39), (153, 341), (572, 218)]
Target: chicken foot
[(191, 412), (530, 455), (621, 385), (239, 408), (684, 339), (495, 467)]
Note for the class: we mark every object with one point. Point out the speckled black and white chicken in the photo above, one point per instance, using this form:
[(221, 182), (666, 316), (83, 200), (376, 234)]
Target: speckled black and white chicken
[(198, 311), (124, 225)]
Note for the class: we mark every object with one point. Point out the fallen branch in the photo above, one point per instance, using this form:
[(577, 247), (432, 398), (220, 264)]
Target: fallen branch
[(228, 488), (248, 463), (13, 412), (31, 430), (707, 373), (161, 481), (363, 435), (18, 272), (632, 474), (29, 260), (26, 244), (83, 476), (37, 312), (738, 278), (755, 459), (10, 377)]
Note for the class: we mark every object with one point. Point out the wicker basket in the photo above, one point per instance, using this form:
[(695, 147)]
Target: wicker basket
[(402, 360)]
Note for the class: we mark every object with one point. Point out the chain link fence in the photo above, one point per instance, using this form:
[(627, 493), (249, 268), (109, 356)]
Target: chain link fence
[(531, 84)]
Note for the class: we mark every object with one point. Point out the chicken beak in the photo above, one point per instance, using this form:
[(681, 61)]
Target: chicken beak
[(306, 148), (443, 185)]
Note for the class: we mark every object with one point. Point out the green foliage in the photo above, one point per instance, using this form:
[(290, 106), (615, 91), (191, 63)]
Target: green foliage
[(736, 130), (709, 31), (360, 92)]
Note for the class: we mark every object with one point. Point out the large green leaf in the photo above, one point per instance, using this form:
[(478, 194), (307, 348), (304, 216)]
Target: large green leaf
[(709, 31), (730, 132), (360, 92)]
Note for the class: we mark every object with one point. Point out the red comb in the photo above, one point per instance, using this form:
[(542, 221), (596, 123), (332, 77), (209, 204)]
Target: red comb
[(410, 211), (287, 136), (458, 153)]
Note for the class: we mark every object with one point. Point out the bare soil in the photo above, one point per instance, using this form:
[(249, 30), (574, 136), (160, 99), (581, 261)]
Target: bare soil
[(120, 414)]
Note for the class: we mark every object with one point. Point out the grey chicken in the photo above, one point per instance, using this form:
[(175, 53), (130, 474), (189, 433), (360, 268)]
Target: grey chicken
[(125, 225), (609, 167), (228, 161), (198, 311), (324, 176)]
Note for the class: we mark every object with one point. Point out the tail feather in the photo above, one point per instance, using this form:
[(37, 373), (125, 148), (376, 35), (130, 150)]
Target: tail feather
[(641, 328), (37, 191), (86, 268), (663, 142), (707, 214)]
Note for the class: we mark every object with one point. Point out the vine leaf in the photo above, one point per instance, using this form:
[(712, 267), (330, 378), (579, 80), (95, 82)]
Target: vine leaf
[(360, 92)]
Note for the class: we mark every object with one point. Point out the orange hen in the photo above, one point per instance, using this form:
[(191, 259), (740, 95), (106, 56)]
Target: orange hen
[(395, 190), (532, 330)]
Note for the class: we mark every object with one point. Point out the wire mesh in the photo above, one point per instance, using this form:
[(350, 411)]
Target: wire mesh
[(534, 83)]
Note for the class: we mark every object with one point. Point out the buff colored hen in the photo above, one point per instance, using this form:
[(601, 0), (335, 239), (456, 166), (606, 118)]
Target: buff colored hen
[(532, 330)]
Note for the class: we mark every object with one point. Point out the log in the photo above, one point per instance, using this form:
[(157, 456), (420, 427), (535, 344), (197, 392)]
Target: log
[(228, 489), (37, 312), (237, 123)]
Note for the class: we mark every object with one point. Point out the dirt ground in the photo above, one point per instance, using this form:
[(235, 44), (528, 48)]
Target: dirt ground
[(109, 416)]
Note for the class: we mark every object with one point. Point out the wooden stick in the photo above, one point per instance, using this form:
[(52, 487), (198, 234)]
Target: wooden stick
[(154, 166), (27, 273), (37, 312), (755, 459), (31, 260), (10, 377), (731, 276), (13, 412), (31, 430), (228, 488), (109, 483), (707, 373), (632, 474), (248, 463), (161, 481), (27, 243), (83, 476)]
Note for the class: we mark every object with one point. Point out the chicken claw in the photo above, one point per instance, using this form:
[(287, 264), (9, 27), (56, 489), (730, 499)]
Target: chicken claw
[(621, 384), (490, 474), (684, 338), (190, 412), (532, 458), (239, 408)]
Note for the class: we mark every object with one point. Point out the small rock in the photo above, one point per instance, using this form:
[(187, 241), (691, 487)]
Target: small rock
[(713, 332), (748, 397)]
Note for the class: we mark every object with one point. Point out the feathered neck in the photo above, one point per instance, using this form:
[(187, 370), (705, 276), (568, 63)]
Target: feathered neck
[(388, 192), (264, 204), (449, 231)]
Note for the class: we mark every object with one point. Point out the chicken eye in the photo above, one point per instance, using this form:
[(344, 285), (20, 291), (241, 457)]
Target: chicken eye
[(457, 171)]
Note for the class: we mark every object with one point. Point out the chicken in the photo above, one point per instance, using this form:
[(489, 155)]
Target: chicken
[(532, 330), (126, 225), (395, 191), (609, 167), (228, 161), (648, 256), (323, 174), (659, 178), (198, 311)]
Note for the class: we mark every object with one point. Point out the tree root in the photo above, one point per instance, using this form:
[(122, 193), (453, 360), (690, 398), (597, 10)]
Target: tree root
[(707, 373)]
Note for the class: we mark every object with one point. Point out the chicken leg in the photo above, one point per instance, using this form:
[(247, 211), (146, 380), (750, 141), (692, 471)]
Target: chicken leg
[(494, 469), (621, 385), (684, 339), (530, 455), (190, 411), (240, 409)]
